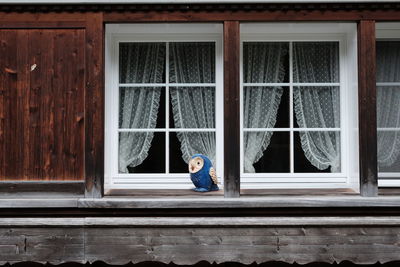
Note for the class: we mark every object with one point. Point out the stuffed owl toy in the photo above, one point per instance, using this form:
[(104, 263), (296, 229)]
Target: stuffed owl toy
[(202, 174)]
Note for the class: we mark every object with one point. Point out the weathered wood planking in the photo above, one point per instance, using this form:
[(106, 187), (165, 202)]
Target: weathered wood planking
[(28, 239), (231, 109), (94, 106), (367, 108), (42, 94)]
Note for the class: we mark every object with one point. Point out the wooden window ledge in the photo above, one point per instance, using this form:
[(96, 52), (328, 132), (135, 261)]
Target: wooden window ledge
[(212, 202)]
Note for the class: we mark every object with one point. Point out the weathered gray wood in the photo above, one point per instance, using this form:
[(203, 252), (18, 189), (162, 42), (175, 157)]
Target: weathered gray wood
[(45, 201), (41, 245), (362, 240), (41, 202), (201, 221), (243, 202)]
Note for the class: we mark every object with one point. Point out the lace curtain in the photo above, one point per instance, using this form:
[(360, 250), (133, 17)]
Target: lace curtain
[(388, 102), (193, 107), (139, 63), (318, 106), (263, 63)]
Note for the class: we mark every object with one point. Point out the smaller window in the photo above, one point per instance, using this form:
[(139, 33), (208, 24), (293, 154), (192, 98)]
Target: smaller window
[(388, 103), (163, 103), (298, 97)]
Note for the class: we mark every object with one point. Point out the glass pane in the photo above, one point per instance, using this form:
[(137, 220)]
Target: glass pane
[(141, 107), (191, 62), (183, 145), (142, 62), (176, 162), (317, 107), (141, 152), (192, 107), (265, 62), (389, 151), (317, 152), (266, 152), (261, 106), (388, 61), (316, 62)]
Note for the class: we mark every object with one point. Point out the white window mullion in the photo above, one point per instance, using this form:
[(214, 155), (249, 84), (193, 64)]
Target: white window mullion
[(167, 108), (291, 115)]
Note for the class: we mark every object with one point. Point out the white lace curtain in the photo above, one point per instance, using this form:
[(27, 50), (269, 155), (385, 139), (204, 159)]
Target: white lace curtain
[(263, 63), (139, 63), (388, 102), (193, 107), (318, 106)]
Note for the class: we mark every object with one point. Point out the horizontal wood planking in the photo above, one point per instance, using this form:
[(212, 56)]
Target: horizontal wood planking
[(41, 24), (251, 16), (44, 110), (46, 189), (86, 241)]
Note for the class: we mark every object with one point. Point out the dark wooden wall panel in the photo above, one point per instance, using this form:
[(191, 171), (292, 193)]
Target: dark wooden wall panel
[(94, 106), (367, 108), (231, 108), (43, 111)]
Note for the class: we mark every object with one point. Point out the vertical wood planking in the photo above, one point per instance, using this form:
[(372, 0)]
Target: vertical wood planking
[(69, 57), (231, 108), (8, 84), (94, 106), (367, 108), (42, 105)]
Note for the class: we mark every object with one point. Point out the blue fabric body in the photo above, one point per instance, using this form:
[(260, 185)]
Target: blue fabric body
[(202, 179)]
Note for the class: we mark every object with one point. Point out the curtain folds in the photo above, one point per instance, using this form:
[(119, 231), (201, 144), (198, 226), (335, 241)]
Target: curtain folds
[(318, 106), (193, 107), (139, 63), (262, 63), (388, 103)]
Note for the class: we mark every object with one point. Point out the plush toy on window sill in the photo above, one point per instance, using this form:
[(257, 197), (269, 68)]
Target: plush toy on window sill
[(202, 174)]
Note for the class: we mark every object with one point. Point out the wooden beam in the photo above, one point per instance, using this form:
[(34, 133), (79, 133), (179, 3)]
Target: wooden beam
[(231, 108), (251, 16), (367, 108), (94, 106)]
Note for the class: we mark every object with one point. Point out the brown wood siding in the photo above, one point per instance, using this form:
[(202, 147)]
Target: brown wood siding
[(42, 99)]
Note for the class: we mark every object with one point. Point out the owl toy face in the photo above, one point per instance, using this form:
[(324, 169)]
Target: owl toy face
[(196, 164)]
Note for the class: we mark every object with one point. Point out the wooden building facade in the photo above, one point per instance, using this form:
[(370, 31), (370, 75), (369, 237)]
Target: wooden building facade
[(63, 198)]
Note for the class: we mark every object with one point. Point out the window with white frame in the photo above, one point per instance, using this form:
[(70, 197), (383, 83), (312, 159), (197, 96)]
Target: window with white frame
[(299, 106), (388, 103), (163, 103)]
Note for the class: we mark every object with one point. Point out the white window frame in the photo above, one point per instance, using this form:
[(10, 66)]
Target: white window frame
[(346, 35), (116, 33), (388, 31)]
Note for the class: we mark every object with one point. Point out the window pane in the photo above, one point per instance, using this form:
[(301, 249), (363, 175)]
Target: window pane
[(388, 151), (316, 62), (388, 103), (141, 107), (266, 152), (193, 107), (317, 152), (192, 62), (142, 62), (388, 61), (141, 152), (265, 62), (183, 145), (317, 107), (388, 121), (261, 105)]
